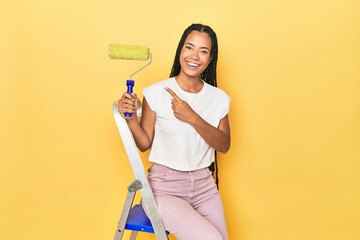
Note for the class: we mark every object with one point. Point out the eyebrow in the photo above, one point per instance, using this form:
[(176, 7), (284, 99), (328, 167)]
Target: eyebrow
[(200, 47)]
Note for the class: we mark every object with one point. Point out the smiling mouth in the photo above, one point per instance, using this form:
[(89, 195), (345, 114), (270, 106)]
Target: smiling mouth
[(192, 65)]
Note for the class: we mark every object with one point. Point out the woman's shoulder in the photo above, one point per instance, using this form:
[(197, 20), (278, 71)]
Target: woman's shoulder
[(160, 85), (215, 91), (155, 92)]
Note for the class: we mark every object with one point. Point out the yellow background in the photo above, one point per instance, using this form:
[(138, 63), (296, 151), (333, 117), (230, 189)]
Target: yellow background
[(292, 69)]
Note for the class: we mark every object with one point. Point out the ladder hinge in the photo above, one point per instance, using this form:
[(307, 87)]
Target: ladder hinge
[(135, 185)]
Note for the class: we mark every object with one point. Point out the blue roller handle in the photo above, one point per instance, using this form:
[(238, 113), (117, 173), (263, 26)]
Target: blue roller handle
[(130, 84)]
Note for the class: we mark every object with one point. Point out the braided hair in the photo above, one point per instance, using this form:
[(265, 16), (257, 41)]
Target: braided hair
[(208, 75)]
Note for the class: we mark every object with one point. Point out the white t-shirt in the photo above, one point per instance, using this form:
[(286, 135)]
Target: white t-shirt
[(176, 144)]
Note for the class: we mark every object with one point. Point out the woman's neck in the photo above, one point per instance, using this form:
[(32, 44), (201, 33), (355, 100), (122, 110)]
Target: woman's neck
[(191, 85)]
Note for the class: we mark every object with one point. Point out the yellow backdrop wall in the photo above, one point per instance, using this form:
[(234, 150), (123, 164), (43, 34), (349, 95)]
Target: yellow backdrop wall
[(292, 69)]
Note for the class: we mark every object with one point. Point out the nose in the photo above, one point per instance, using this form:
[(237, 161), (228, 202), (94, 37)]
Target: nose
[(195, 55)]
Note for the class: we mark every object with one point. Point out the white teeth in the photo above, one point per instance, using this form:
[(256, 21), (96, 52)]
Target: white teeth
[(193, 65)]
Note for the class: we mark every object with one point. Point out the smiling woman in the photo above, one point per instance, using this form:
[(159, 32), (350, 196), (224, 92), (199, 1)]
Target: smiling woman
[(184, 121), (194, 57)]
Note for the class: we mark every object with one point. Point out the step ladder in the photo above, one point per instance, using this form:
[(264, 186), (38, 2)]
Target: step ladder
[(134, 218)]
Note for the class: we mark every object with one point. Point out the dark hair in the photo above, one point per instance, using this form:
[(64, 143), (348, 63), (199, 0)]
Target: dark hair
[(208, 75)]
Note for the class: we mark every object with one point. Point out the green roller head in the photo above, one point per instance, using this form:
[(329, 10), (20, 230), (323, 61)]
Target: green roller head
[(130, 52)]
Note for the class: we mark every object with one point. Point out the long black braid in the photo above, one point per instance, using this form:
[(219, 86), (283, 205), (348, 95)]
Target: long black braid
[(208, 75)]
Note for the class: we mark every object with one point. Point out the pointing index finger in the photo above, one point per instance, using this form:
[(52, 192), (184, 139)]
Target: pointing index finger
[(172, 94)]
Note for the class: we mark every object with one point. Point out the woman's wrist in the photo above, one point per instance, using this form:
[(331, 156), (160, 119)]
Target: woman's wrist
[(195, 119), (133, 120)]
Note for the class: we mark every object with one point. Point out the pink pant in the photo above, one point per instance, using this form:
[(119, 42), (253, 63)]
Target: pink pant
[(189, 203)]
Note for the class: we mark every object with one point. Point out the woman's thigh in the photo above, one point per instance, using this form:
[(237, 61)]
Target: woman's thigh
[(189, 203), (212, 209), (183, 221)]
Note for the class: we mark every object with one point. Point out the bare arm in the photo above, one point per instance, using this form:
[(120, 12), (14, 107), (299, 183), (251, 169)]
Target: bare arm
[(217, 138), (143, 132)]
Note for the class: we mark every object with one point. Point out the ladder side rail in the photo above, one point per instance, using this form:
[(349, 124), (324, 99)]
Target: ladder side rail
[(140, 174), (124, 215), (133, 235)]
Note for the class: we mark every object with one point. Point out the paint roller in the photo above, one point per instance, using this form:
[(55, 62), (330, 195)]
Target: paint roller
[(130, 52)]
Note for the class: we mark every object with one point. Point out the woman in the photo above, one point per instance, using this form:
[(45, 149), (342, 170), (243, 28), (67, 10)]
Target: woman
[(184, 121)]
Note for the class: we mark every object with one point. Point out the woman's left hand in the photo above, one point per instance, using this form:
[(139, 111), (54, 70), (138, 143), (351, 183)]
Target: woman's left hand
[(182, 109)]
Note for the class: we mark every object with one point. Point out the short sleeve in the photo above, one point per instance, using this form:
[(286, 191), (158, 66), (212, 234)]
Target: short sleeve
[(225, 103), (149, 95)]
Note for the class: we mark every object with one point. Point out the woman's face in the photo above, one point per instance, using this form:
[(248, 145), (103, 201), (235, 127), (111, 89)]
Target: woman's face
[(195, 54)]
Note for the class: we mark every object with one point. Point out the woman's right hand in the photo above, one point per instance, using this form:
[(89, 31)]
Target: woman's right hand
[(142, 131), (128, 103)]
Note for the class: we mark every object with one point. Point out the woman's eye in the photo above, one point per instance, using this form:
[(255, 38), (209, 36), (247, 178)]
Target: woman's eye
[(204, 52), (188, 47)]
